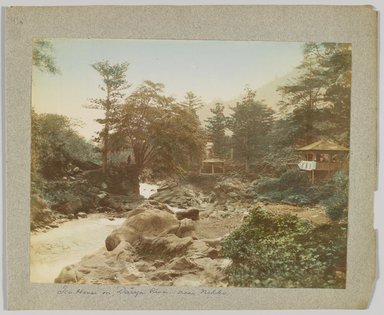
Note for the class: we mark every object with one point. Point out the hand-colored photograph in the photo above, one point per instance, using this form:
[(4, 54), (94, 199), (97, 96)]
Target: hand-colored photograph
[(190, 163)]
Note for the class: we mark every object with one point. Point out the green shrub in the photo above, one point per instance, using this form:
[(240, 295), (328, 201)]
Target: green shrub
[(285, 251), (338, 200), (55, 144), (267, 184), (335, 205), (340, 180), (297, 196), (273, 196), (322, 191), (294, 187), (293, 178)]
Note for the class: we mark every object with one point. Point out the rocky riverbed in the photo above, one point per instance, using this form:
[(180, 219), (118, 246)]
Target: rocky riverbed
[(67, 244), (173, 238), (63, 241)]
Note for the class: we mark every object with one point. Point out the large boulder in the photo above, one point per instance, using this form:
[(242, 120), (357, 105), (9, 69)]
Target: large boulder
[(146, 223), (69, 207), (152, 247), (230, 188), (177, 196), (169, 245), (191, 213)]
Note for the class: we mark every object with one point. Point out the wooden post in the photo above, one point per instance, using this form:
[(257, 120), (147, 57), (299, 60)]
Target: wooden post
[(213, 168), (313, 177)]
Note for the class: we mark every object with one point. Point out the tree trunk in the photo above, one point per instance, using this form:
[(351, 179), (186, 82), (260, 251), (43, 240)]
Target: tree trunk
[(309, 122), (106, 135), (247, 165), (126, 182), (131, 184), (105, 153)]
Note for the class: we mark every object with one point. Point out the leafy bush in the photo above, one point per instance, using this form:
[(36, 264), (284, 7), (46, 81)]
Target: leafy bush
[(289, 179), (340, 180), (293, 178), (267, 184), (294, 187), (55, 144), (274, 162), (338, 201), (285, 251), (272, 196), (299, 195), (335, 205)]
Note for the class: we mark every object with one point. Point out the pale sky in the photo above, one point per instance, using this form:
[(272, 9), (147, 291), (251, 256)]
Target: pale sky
[(211, 69)]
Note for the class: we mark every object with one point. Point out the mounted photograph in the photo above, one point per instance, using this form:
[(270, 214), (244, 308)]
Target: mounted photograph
[(190, 163)]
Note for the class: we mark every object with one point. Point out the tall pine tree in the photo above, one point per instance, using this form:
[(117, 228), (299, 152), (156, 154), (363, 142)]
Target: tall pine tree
[(114, 83), (250, 122), (216, 126), (319, 98)]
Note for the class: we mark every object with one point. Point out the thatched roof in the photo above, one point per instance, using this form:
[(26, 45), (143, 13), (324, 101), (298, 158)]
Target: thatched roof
[(323, 145)]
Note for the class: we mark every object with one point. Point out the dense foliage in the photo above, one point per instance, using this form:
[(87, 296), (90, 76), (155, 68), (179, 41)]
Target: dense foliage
[(250, 121), (43, 56), (114, 83), (216, 127), (192, 101), (285, 251), (338, 201), (318, 100), (294, 187), (55, 145), (162, 134)]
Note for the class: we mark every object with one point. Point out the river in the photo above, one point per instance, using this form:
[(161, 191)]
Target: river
[(67, 244)]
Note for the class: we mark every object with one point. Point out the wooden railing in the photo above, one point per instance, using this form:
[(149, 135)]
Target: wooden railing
[(328, 166), (321, 166)]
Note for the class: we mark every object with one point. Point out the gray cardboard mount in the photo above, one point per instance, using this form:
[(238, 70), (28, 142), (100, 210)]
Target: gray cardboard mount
[(351, 24)]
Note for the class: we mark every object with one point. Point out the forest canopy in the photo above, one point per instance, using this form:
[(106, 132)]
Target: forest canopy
[(150, 129)]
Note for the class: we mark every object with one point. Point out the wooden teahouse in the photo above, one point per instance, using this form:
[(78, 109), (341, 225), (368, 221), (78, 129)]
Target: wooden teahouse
[(323, 158), (212, 166)]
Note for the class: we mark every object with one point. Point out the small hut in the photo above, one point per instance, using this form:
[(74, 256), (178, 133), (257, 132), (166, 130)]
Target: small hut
[(322, 158), (212, 166)]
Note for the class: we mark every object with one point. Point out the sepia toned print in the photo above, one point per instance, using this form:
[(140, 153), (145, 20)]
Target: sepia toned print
[(190, 163)]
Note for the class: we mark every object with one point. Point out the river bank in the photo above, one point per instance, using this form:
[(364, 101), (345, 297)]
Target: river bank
[(69, 240), (68, 252), (56, 248)]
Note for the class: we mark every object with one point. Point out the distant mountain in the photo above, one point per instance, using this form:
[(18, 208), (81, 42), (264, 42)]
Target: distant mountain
[(267, 93)]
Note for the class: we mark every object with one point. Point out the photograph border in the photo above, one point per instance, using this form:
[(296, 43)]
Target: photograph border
[(350, 24)]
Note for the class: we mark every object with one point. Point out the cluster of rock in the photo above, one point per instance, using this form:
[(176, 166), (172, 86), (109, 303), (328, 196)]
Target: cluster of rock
[(152, 247), (83, 192), (226, 197), (177, 195), (221, 191), (41, 216), (230, 189), (74, 195)]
